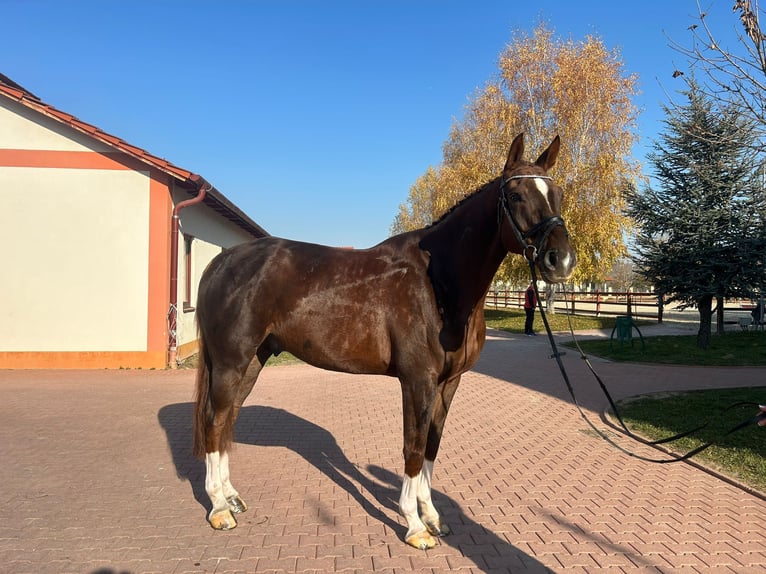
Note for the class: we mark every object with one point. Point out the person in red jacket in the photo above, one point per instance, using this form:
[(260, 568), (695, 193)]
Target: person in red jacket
[(530, 301)]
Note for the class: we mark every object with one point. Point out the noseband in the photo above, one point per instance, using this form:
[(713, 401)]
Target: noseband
[(530, 248)]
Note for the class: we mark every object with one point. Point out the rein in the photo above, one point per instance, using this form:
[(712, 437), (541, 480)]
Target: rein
[(675, 458), (529, 248)]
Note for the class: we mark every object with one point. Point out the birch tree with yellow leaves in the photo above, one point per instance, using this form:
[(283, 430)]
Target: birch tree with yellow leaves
[(546, 86)]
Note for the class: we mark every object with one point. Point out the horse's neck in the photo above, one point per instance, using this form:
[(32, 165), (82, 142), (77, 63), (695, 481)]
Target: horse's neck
[(466, 251), (477, 249)]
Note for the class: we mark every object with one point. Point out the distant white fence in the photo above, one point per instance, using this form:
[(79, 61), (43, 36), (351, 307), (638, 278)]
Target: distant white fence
[(643, 305)]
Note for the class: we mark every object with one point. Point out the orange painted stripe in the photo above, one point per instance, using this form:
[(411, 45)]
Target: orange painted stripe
[(160, 212), (69, 159), (82, 360), (158, 288)]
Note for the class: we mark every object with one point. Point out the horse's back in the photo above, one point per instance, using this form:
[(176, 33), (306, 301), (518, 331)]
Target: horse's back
[(302, 268)]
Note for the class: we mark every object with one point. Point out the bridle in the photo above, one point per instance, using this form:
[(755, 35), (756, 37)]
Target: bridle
[(530, 248)]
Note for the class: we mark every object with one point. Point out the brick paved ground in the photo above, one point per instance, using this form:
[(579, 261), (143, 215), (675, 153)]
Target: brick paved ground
[(97, 477)]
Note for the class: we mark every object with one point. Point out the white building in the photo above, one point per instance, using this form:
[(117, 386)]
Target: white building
[(90, 277)]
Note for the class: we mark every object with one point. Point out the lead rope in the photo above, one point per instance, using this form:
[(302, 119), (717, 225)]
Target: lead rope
[(675, 458)]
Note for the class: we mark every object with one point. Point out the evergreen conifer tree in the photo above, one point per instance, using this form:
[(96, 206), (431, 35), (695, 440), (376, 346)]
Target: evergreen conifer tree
[(701, 228)]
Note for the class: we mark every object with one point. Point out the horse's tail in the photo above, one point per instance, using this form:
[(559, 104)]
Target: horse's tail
[(203, 409)]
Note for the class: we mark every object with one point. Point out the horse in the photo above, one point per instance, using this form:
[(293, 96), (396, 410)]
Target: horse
[(410, 307)]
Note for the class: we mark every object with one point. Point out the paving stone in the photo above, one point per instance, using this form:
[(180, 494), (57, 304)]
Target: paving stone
[(103, 481)]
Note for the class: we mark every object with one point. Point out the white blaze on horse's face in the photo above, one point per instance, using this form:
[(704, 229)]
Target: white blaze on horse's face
[(542, 187)]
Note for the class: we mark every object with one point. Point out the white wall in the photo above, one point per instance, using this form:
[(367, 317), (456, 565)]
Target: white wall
[(23, 128), (211, 233), (74, 247), (74, 243)]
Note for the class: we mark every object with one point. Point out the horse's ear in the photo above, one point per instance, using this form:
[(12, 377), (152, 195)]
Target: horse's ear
[(547, 159), (516, 151)]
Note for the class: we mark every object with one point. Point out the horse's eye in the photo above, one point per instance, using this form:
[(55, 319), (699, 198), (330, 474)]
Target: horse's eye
[(514, 197)]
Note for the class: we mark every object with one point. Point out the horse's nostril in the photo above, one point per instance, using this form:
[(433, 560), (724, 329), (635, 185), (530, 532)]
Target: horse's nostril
[(551, 259)]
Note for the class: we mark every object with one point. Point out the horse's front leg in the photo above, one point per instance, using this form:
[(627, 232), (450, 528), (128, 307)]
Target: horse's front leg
[(428, 512), (417, 402)]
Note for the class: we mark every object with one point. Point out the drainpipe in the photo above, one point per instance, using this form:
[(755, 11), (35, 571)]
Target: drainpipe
[(202, 188)]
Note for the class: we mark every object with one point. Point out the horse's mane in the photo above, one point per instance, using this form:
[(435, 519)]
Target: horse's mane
[(461, 202)]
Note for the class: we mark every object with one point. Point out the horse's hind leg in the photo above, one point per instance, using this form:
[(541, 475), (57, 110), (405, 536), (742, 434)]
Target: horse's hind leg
[(220, 516), (226, 403), (236, 504)]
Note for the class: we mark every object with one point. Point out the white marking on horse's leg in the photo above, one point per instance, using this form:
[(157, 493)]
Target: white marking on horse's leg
[(223, 474), (236, 504), (428, 513), (408, 505), (220, 516), (542, 187), (213, 485)]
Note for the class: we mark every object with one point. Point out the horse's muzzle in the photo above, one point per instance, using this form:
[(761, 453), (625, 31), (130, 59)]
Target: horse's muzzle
[(556, 265)]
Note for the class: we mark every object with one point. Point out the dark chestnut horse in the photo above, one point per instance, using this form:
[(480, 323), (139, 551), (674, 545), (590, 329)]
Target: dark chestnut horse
[(411, 307)]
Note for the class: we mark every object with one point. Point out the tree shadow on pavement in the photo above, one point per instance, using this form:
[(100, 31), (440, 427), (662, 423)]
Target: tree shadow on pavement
[(274, 427)]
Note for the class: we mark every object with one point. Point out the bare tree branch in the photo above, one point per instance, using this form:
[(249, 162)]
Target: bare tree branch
[(733, 76)]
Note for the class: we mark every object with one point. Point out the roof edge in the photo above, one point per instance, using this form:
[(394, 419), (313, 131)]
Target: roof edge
[(215, 199)]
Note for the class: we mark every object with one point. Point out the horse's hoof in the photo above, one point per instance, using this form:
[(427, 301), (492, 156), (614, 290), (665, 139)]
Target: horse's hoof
[(437, 527), (222, 520), (421, 541), (237, 505)]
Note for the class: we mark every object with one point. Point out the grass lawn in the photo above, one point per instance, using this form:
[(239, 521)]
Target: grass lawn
[(741, 456), (282, 359), (736, 348), (512, 320)]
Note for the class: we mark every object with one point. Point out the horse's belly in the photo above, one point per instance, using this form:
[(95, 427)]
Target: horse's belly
[(352, 344), (332, 355)]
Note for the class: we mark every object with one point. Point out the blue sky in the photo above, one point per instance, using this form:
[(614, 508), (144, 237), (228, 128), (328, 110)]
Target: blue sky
[(314, 117)]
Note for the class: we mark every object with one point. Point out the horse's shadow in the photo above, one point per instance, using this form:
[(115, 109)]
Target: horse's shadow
[(255, 426)]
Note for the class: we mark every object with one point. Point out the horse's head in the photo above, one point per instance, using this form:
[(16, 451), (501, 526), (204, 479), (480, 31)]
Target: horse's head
[(530, 204)]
